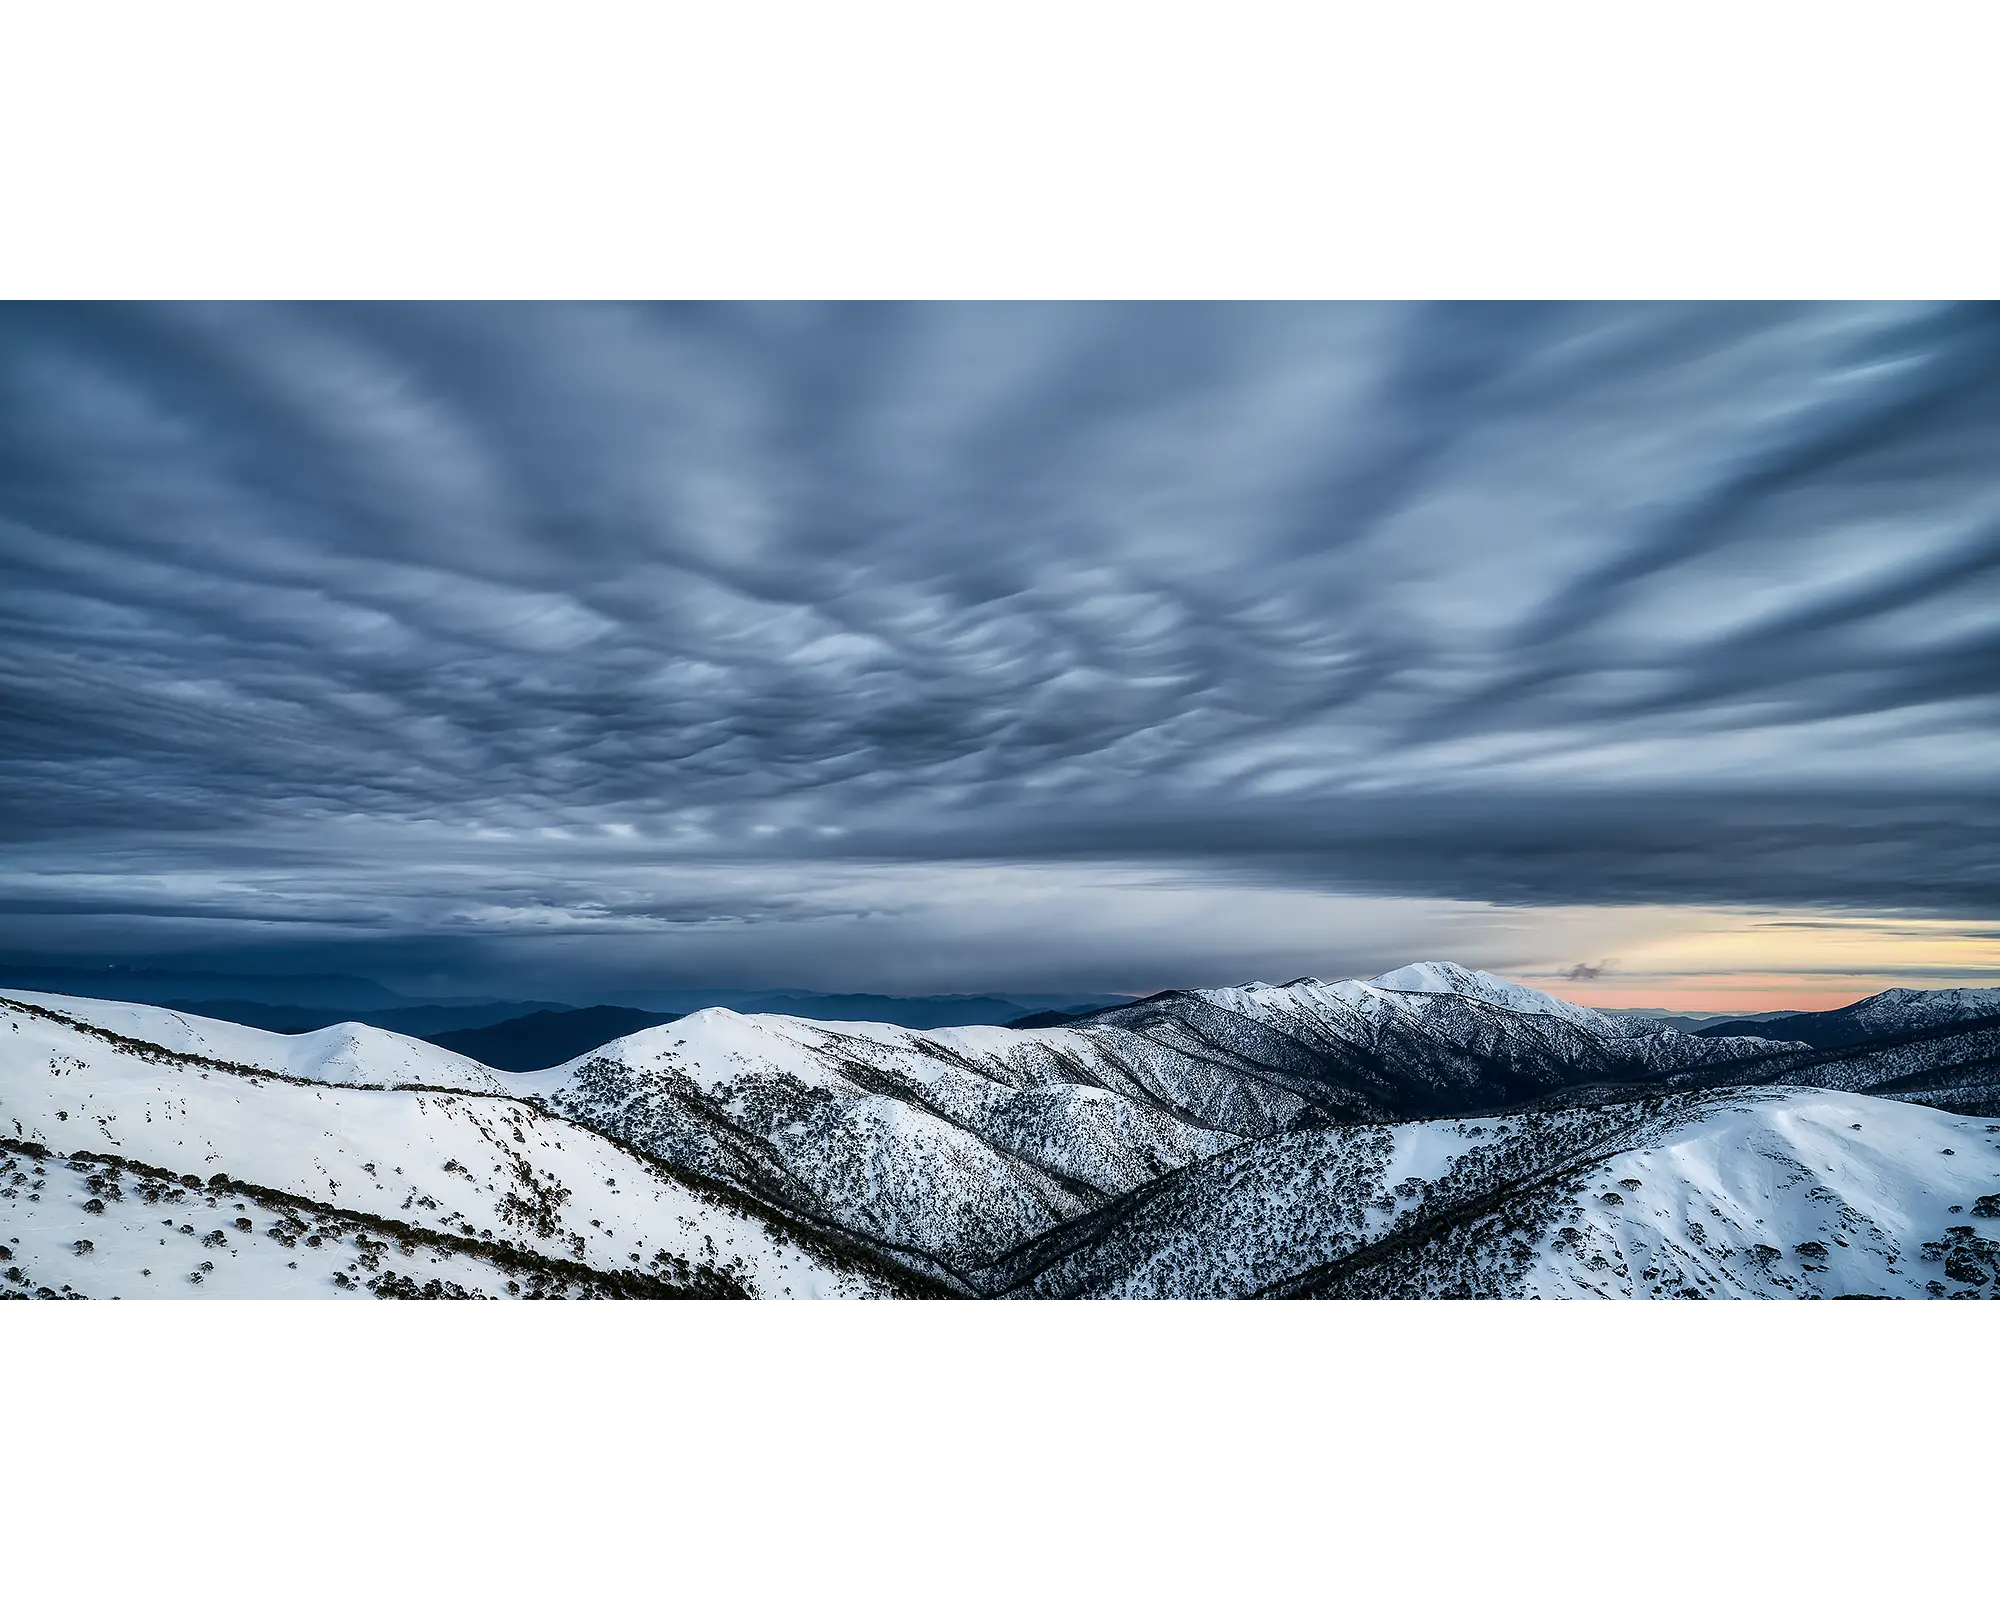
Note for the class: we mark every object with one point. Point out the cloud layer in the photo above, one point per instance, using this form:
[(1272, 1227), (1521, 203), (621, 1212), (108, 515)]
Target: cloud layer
[(477, 623)]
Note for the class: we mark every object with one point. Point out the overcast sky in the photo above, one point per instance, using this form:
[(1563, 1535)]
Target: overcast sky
[(935, 648)]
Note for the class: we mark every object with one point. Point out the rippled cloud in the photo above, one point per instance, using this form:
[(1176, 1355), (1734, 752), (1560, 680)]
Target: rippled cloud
[(481, 622)]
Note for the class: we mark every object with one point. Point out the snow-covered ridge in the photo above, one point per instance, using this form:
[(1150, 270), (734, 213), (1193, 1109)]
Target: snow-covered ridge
[(953, 1144), (126, 1171), (1743, 1194), (1892, 1015), (1448, 977), (1908, 1010), (1407, 988), (346, 1053)]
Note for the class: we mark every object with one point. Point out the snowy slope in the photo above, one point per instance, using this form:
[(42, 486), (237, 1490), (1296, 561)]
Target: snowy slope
[(459, 1177), (955, 1144), (1458, 1042), (1728, 1194), (347, 1052), (1956, 1069)]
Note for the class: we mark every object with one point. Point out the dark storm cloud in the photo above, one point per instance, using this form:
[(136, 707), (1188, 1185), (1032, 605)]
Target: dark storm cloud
[(422, 619)]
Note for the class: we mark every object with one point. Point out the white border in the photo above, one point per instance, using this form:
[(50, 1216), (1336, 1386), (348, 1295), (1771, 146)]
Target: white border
[(1082, 148), (997, 1449)]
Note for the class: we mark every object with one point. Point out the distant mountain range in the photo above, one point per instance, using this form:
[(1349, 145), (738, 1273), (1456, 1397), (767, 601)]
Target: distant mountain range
[(155, 986), (916, 1011), (1434, 1131), (1695, 1021), (301, 1003), (423, 1020), (545, 1038)]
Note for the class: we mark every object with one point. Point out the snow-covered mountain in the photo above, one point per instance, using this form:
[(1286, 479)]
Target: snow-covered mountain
[(1729, 1194), (1261, 1139), (1427, 1040), (1892, 1014), (1448, 977), (953, 1145), (347, 1052), (1425, 993), (132, 1168), (959, 1144)]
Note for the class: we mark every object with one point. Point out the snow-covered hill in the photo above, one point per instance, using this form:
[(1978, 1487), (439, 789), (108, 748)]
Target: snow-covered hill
[(1731, 1194), (955, 1145), (347, 1052), (134, 1168), (1912, 1010), (1892, 1014), (1954, 1068), (1263, 1139), (1432, 1039), (1448, 977)]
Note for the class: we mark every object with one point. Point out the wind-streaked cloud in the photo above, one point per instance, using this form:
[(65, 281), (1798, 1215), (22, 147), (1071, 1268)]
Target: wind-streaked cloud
[(709, 632)]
